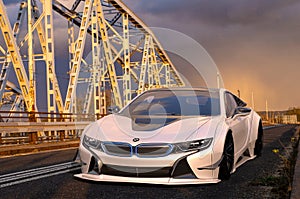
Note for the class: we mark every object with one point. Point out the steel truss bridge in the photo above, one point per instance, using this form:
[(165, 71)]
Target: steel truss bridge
[(127, 58)]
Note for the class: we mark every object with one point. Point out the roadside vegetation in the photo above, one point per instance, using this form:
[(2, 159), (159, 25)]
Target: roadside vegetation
[(280, 182)]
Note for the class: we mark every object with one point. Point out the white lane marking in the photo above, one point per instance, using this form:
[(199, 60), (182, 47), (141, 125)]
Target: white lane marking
[(36, 169), (25, 174), (36, 178), (38, 173)]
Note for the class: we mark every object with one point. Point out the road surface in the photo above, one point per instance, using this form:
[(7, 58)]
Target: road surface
[(50, 175)]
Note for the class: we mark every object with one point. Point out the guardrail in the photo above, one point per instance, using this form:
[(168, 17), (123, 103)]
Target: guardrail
[(20, 127), (37, 132), (26, 116)]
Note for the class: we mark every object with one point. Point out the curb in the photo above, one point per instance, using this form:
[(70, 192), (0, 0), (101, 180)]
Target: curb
[(295, 194), (15, 150)]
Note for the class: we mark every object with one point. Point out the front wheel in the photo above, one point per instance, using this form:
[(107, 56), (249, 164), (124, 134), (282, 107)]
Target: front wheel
[(259, 141), (226, 164)]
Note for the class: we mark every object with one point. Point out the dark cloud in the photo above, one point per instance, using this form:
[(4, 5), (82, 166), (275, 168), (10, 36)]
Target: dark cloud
[(213, 12), (9, 2), (254, 43)]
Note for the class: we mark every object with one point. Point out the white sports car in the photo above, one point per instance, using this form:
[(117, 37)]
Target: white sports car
[(172, 136)]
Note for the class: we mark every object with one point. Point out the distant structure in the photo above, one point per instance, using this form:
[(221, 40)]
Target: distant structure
[(289, 119), (127, 59), (267, 111)]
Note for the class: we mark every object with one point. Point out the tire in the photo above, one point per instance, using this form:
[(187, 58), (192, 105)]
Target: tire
[(259, 141), (226, 164)]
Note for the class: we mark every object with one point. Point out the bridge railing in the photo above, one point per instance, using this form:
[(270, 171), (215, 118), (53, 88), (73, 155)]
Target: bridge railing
[(36, 127), (26, 116)]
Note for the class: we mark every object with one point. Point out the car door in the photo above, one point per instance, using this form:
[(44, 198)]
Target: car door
[(238, 123)]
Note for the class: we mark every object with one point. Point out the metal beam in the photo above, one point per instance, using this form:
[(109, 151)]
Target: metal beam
[(14, 53), (79, 47), (109, 58), (145, 61), (6, 66), (126, 52), (119, 56)]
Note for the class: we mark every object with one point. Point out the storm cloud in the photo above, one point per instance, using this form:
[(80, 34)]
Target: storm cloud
[(9, 2), (254, 43), (216, 12)]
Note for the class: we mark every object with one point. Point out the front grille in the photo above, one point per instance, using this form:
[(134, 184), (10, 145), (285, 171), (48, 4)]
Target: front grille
[(117, 149), (136, 171), (150, 150), (141, 150)]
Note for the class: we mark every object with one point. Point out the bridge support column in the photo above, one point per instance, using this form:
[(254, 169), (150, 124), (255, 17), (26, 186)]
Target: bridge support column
[(62, 135), (33, 137)]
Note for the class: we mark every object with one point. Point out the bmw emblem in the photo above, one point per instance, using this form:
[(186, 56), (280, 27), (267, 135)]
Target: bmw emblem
[(136, 139)]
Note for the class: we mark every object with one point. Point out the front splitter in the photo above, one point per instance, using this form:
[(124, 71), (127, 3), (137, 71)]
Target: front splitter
[(164, 181)]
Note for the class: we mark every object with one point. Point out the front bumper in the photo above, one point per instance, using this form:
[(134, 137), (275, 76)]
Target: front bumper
[(175, 169)]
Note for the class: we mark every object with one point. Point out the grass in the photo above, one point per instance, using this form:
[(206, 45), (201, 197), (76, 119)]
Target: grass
[(281, 180), (279, 184)]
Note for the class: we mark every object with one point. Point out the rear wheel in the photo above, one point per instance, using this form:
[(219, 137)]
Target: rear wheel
[(226, 164), (259, 141)]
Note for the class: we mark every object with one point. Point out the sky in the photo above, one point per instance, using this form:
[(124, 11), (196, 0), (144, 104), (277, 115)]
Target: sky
[(254, 43)]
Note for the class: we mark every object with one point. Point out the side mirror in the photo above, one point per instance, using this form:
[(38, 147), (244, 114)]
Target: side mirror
[(241, 111), (113, 109)]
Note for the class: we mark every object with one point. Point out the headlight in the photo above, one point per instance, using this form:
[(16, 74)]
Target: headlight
[(193, 145), (91, 142)]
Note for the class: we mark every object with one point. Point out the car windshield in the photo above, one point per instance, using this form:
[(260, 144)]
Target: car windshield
[(174, 103)]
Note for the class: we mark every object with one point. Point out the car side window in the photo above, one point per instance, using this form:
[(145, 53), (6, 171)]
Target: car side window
[(230, 104)]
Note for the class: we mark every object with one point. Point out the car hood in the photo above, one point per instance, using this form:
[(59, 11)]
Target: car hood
[(117, 128)]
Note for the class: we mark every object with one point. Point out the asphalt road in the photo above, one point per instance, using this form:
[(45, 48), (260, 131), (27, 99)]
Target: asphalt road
[(64, 185)]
